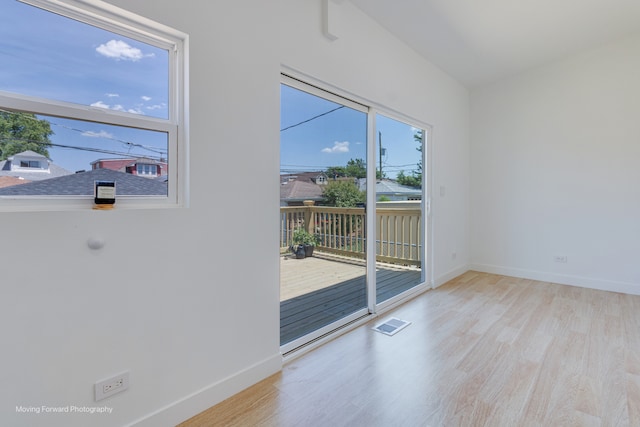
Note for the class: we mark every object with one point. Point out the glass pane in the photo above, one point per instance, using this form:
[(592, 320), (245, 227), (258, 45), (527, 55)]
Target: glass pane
[(323, 169), (54, 57), (399, 216), (42, 155)]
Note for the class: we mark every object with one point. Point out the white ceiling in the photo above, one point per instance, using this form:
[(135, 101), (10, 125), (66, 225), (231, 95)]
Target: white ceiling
[(481, 41)]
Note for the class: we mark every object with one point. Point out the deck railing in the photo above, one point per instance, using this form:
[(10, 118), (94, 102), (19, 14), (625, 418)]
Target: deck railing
[(342, 231)]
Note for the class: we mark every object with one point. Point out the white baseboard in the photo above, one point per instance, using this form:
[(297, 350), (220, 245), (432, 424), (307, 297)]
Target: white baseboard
[(562, 279), (191, 405), (450, 275)]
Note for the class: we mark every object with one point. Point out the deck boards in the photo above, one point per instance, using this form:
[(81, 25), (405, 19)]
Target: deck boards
[(306, 313)]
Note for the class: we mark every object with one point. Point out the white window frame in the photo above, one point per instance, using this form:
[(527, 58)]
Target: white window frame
[(116, 20)]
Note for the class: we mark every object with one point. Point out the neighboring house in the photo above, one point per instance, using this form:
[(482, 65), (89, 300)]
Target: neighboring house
[(392, 190), (319, 178), (293, 193), (296, 188), (82, 184), (141, 166), (30, 166)]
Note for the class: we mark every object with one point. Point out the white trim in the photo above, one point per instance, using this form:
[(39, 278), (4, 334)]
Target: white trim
[(450, 275), (370, 213), (320, 92), (111, 18), (562, 279), (301, 351), (194, 403), (427, 195), (318, 333), (68, 110), (345, 94)]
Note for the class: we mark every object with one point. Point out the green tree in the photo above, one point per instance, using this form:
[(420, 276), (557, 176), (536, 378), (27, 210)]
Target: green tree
[(415, 179), (21, 132), (356, 168), (336, 171), (343, 194)]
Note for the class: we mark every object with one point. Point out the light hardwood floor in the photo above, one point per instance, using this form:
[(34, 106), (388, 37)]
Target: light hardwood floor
[(482, 350)]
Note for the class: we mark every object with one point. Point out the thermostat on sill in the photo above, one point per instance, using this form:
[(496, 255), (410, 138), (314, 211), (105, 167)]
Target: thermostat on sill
[(104, 194)]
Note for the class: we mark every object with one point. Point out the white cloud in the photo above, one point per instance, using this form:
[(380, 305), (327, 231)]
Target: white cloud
[(101, 134), (112, 95), (117, 107), (100, 104), (156, 106), (146, 98), (338, 147), (119, 50)]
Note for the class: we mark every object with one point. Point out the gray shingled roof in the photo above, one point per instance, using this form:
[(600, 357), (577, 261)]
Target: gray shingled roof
[(387, 186), (82, 184), (299, 190)]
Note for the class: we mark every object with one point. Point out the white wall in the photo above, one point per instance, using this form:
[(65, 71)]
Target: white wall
[(368, 62), (187, 299), (184, 299), (555, 155)]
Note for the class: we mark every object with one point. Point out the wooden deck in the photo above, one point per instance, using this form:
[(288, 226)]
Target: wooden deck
[(318, 291)]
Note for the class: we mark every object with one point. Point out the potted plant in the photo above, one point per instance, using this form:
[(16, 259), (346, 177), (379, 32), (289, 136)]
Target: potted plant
[(308, 241)]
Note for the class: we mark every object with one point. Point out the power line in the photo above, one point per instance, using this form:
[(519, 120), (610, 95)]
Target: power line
[(312, 118), (95, 150), (127, 143)]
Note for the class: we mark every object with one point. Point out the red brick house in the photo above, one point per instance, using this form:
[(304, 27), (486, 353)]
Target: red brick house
[(140, 166)]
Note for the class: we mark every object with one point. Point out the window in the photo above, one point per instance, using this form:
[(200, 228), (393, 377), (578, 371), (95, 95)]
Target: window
[(146, 169), (30, 164), (93, 83)]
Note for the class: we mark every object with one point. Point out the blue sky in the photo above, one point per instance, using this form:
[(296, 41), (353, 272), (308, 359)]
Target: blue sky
[(318, 137), (49, 56), (46, 55)]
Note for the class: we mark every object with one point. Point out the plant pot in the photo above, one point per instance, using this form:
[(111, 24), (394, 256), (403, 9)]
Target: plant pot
[(300, 252), (308, 250)]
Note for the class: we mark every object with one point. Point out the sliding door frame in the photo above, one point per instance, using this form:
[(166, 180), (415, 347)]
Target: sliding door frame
[(426, 253), (313, 89), (310, 85)]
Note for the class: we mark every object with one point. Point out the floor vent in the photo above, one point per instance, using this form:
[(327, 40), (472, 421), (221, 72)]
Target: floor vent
[(391, 326)]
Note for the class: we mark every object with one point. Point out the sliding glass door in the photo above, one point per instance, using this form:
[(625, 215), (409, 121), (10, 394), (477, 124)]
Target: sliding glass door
[(347, 173), (400, 231), (323, 152)]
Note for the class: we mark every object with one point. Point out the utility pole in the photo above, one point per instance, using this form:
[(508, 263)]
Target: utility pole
[(380, 151)]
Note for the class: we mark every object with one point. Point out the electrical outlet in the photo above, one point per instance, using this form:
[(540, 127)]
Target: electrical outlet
[(111, 386), (560, 258)]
